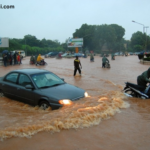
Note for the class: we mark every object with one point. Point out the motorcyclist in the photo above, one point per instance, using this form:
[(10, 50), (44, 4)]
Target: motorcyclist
[(143, 79), (59, 56), (40, 60), (92, 57), (112, 56), (32, 59), (104, 61)]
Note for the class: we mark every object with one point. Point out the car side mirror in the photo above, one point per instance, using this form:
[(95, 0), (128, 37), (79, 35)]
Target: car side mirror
[(28, 86), (63, 79)]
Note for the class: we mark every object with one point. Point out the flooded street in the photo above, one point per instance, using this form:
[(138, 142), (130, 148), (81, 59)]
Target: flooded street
[(107, 120)]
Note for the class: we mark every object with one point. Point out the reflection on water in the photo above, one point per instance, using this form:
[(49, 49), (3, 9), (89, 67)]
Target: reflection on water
[(21, 120)]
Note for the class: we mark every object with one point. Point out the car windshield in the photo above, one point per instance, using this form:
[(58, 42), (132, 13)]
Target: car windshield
[(45, 80)]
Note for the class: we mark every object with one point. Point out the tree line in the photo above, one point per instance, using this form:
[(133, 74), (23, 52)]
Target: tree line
[(32, 45), (95, 37)]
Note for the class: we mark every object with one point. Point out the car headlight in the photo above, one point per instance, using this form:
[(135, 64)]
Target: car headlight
[(86, 94), (65, 102)]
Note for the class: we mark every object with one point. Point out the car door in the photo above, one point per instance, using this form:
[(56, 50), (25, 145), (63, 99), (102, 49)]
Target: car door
[(24, 94), (9, 85)]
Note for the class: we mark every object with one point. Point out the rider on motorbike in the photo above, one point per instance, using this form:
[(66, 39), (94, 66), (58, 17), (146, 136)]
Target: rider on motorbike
[(104, 61), (32, 59), (143, 79), (40, 60), (112, 56), (92, 57), (59, 56)]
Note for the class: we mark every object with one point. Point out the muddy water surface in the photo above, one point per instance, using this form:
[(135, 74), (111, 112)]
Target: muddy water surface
[(105, 120)]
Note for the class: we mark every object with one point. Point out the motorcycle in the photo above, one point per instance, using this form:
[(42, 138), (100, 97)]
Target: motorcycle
[(113, 58), (41, 63), (134, 90), (107, 65)]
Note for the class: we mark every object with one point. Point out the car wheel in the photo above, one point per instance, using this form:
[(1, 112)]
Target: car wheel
[(1, 93), (44, 105)]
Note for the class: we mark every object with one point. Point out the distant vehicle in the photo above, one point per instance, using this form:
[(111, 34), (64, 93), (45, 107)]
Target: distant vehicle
[(121, 54), (102, 55), (39, 87), (136, 53), (67, 55), (21, 52), (78, 54), (130, 53), (47, 55), (53, 54), (117, 54)]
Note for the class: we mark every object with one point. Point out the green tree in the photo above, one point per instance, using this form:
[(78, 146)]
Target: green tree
[(138, 39), (31, 40), (95, 36)]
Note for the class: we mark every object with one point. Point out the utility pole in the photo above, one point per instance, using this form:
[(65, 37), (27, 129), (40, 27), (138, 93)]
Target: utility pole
[(146, 38), (25, 47), (140, 24)]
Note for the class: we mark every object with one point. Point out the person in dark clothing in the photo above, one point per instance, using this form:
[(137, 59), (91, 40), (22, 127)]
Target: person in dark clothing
[(104, 60), (92, 57), (15, 58), (143, 79), (112, 56), (10, 58), (32, 60), (5, 59), (77, 65)]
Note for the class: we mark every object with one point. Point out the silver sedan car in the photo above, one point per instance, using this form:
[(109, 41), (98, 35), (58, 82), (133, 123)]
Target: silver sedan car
[(39, 87)]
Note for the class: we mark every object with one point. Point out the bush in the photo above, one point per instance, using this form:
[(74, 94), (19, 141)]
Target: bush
[(146, 59)]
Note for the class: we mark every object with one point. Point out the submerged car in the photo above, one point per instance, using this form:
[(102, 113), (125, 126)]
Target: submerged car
[(39, 87)]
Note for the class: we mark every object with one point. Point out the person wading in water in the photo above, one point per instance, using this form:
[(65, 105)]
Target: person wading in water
[(77, 65)]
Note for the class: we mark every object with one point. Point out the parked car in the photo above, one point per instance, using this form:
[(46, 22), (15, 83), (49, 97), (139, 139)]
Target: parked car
[(117, 54), (136, 53), (53, 54), (47, 55), (102, 55), (39, 87), (67, 55), (130, 53), (78, 54)]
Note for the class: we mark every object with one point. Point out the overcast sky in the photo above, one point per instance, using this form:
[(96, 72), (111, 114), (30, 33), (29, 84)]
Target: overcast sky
[(58, 19)]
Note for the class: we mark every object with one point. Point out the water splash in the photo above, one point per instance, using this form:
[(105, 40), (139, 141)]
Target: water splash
[(22, 120)]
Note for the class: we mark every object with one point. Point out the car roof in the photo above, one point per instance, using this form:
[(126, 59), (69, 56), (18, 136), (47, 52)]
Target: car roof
[(30, 71)]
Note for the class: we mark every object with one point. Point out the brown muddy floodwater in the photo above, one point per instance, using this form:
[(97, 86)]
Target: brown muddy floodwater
[(107, 120)]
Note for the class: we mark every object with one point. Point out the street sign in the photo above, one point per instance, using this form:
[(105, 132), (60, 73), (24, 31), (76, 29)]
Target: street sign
[(75, 42), (4, 42)]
